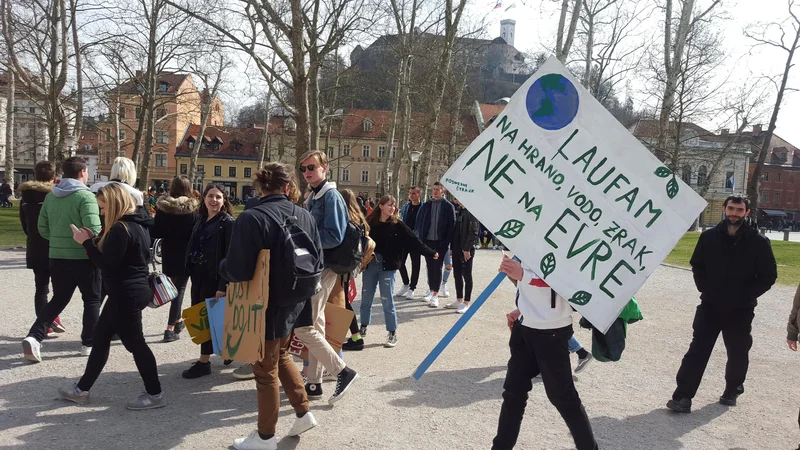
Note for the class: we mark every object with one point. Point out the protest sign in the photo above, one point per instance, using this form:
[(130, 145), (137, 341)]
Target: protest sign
[(216, 321), (196, 321), (571, 192), (243, 338), (337, 322)]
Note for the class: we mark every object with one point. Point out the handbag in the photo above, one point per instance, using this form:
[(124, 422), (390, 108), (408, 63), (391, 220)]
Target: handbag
[(164, 290)]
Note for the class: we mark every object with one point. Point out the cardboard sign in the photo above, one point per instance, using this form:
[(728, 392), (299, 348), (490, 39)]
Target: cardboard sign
[(196, 321), (571, 192), (243, 338), (337, 322)]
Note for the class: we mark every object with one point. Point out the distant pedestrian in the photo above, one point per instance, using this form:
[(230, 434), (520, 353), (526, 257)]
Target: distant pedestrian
[(434, 226), (463, 251), (408, 214)]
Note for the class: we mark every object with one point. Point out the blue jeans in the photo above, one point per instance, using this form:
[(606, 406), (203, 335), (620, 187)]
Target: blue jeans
[(372, 279), (573, 345)]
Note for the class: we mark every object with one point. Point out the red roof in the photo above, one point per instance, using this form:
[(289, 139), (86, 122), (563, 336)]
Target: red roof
[(240, 143), (173, 81), (488, 111)]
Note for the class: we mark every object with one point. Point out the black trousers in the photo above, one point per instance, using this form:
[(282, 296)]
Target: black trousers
[(66, 275), (121, 317), (434, 266), (175, 306), (203, 288), (709, 322), (41, 279), (462, 270), (415, 266), (545, 352)]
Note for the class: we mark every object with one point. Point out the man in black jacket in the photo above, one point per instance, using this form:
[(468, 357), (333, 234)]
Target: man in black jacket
[(434, 226), (733, 265)]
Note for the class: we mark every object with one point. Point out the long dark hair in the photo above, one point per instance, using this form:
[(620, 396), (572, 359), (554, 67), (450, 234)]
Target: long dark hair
[(353, 210), (375, 216), (226, 206), (180, 187)]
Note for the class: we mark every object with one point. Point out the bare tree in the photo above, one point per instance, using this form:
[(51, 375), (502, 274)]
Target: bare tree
[(10, 155), (565, 36), (211, 73)]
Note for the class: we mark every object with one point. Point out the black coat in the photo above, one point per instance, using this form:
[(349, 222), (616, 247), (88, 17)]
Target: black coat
[(213, 248), (392, 240), (733, 271), (254, 231), (465, 232), (123, 261), (38, 248), (174, 222)]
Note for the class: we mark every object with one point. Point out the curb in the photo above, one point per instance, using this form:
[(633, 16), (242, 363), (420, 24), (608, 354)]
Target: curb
[(672, 266)]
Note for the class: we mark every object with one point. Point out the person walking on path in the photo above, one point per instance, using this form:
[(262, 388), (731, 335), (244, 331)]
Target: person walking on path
[(541, 328), (330, 214), (408, 214), (123, 171), (258, 228), (392, 238), (463, 248), (37, 248), (70, 203), (175, 217), (733, 265), (123, 253), (208, 246), (355, 215), (434, 226)]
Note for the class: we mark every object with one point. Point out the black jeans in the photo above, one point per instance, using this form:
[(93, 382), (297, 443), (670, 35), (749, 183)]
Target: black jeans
[(42, 280), (121, 317), (463, 273), (66, 275), (203, 288), (415, 265), (175, 306), (545, 352), (434, 266), (709, 322)]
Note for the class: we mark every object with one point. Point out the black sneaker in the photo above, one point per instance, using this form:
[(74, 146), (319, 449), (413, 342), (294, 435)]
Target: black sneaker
[(353, 346), (198, 369), (729, 398), (363, 331), (740, 389), (683, 405), (179, 326), (314, 391), (171, 336), (344, 381)]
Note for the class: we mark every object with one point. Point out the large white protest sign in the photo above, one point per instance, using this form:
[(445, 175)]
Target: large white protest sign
[(572, 193)]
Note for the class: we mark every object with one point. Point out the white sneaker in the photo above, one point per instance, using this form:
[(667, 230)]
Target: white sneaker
[(462, 308), (443, 292), (86, 351), (427, 298), (434, 302), (391, 339), (32, 349), (403, 291), (303, 424), (410, 295), (454, 305), (254, 442)]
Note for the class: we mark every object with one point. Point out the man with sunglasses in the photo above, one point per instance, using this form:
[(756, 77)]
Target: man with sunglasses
[(327, 207)]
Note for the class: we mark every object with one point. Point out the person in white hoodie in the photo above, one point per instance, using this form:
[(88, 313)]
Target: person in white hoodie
[(540, 331), (123, 171)]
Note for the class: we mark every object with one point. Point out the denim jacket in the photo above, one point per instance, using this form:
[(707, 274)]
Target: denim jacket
[(330, 212)]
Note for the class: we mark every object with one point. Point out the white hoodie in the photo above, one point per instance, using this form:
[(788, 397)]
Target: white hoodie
[(138, 197), (536, 304)]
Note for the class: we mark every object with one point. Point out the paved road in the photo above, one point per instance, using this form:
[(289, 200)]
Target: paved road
[(454, 406)]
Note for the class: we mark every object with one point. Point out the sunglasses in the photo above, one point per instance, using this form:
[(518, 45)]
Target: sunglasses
[(309, 167)]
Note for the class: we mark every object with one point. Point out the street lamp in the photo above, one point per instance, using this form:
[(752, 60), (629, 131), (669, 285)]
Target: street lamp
[(414, 160)]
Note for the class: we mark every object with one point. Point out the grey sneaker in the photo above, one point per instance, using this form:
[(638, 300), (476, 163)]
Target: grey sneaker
[(391, 339), (244, 372), (147, 401), (583, 362), (73, 394)]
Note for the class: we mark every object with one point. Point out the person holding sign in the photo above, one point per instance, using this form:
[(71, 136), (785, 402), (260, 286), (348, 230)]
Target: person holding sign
[(540, 333), (733, 265), (274, 223), (434, 226)]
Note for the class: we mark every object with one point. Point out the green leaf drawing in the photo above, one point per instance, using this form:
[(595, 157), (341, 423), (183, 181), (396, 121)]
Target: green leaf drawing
[(672, 188), (511, 229), (581, 298), (548, 264), (663, 172)]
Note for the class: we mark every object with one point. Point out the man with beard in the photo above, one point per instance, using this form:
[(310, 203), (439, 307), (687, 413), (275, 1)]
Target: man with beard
[(733, 265)]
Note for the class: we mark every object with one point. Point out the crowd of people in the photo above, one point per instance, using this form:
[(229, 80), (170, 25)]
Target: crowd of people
[(99, 239)]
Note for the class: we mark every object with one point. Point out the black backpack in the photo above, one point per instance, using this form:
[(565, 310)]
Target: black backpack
[(348, 255), (295, 264)]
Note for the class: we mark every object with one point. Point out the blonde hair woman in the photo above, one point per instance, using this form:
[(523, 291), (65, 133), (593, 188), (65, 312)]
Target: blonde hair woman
[(123, 171), (122, 254)]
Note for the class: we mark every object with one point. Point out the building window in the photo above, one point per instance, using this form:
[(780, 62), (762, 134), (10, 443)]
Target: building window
[(201, 169), (367, 125), (232, 172), (765, 197), (163, 86), (346, 150), (765, 176), (32, 110), (121, 135), (702, 172), (394, 152), (108, 158), (777, 198), (730, 181), (122, 112), (378, 176), (161, 160), (184, 169), (686, 174), (248, 172), (381, 151), (345, 174), (217, 171), (138, 112), (365, 176), (330, 151), (778, 177), (162, 137), (365, 151), (161, 112), (108, 134), (459, 129)]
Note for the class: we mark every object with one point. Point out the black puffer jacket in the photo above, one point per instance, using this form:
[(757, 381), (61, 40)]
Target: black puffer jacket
[(174, 222), (38, 248), (208, 246), (733, 271)]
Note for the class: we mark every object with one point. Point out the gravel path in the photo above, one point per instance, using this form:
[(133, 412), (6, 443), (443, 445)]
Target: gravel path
[(455, 405)]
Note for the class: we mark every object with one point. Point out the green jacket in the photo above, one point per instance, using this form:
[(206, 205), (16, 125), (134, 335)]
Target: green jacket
[(71, 202)]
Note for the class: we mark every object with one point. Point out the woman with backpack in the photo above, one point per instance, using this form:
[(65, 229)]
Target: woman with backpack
[(122, 253), (392, 237), (175, 217), (208, 246), (355, 343)]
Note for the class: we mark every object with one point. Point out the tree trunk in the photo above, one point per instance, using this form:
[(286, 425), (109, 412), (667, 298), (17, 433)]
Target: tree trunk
[(76, 131), (10, 154), (587, 70), (564, 37), (385, 182), (314, 108), (300, 83)]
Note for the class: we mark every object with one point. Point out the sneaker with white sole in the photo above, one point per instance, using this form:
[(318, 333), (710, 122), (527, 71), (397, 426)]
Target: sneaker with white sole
[(32, 349), (146, 401), (462, 308), (58, 327), (344, 382), (434, 302), (303, 424), (427, 298), (73, 394), (583, 362), (403, 291), (410, 295), (244, 372), (391, 339), (86, 350), (254, 442), (443, 293), (454, 305)]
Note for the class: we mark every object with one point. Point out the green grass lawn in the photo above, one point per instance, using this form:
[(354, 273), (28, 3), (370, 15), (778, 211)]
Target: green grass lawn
[(11, 234)]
